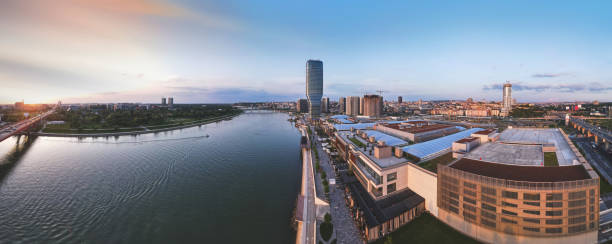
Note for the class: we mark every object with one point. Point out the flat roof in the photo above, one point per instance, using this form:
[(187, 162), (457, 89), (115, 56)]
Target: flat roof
[(522, 173), (381, 162), (358, 126), (509, 153), (565, 155), (485, 132), (469, 139), (418, 129), (378, 212)]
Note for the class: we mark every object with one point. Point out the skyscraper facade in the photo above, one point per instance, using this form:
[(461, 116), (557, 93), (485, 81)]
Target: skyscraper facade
[(325, 105), (314, 87), (163, 102), (361, 105), (170, 101), (302, 106), (507, 99), (352, 106), (342, 105), (399, 100), (372, 105)]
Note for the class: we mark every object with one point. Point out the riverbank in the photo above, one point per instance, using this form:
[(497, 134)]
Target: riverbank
[(140, 129)]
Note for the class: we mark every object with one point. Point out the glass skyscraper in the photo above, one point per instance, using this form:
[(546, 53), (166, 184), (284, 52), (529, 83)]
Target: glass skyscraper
[(314, 87)]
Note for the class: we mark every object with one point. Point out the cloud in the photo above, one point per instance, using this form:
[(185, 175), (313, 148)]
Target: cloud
[(548, 75), (593, 87)]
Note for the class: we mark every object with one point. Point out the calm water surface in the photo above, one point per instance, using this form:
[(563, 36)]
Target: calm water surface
[(237, 186)]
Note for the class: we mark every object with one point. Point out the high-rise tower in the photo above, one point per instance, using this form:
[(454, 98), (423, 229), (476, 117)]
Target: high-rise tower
[(314, 87), (507, 99)]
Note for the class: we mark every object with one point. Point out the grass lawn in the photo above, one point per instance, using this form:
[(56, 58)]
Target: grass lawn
[(550, 159), (432, 165), (427, 229), (357, 142)]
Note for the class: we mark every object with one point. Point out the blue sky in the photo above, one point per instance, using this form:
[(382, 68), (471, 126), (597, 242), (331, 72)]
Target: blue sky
[(229, 51)]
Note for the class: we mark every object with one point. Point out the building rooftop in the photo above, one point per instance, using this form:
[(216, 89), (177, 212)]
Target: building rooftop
[(485, 132), (521, 173), (381, 162), (509, 153), (431, 148), (388, 139), (469, 139), (565, 155), (378, 212), (418, 129), (358, 126)]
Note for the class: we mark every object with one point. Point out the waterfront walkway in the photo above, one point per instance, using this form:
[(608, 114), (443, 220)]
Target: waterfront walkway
[(307, 225), (345, 229)]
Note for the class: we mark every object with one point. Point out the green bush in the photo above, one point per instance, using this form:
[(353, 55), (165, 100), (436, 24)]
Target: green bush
[(326, 188), (327, 217), (323, 175), (325, 183), (327, 229)]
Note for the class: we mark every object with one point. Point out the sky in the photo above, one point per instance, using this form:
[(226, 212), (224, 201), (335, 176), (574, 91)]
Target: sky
[(82, 51)]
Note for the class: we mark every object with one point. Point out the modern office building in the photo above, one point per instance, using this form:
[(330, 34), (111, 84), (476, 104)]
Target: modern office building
[(163, 101), (399, 99), (314, 87), (301, 106), (372, 105), (325, 105), (341, 105), (352, 106), (507, 99)]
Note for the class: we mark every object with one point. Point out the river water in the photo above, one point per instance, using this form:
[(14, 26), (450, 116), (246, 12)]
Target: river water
[(239, 185)]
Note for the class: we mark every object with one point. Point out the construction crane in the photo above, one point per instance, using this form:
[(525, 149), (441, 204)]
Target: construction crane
[(380, 92)]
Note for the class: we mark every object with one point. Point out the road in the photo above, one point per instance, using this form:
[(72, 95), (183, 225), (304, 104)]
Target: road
[(17, 127), (601, 163), (606, 134), (307, 233)]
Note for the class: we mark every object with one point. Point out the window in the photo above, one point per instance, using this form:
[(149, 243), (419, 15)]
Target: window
[(554, 221), (488, 199), (488, 207), (488, 215), (469, 185), (470, 200), (591, 192), (576, 203), (553, 230), (532, 197), (377, 191), (508, 221), (576, 195), (487, 190), (554, 196), (531, 229), (392, 176), (576, 220), (469, 216), (507, 204), (554, 204), (453, 202), (535, 221), (532, 203), (554, 213), (390, 188), (576, 211), (453, 195), (487, 222), (469, 208), (508, 212), (510, 194), (453, 209), (576, 228), (469, 193), (534, 212)]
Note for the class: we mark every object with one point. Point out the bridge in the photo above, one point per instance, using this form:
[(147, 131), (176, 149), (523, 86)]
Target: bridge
[(600, 136), (21, 126)]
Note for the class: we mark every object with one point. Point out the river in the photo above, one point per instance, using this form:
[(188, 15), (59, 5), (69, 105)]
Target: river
[(238, 185)]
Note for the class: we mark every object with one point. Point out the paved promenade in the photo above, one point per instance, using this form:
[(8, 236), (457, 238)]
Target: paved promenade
[(344, 226)]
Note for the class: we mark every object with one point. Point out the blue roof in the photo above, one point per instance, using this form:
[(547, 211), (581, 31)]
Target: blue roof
[(359, 126), (389, 140), (340, 116), (428, 148)]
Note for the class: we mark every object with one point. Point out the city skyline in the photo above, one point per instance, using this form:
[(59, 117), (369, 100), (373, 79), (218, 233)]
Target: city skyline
[(205, 52)]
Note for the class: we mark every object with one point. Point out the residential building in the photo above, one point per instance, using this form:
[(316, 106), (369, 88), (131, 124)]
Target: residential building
[(373, 105), (352, 106)]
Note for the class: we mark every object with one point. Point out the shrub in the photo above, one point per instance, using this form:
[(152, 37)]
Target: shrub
[(323, 175), (327, 217), (326, 188), (327, 229)]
